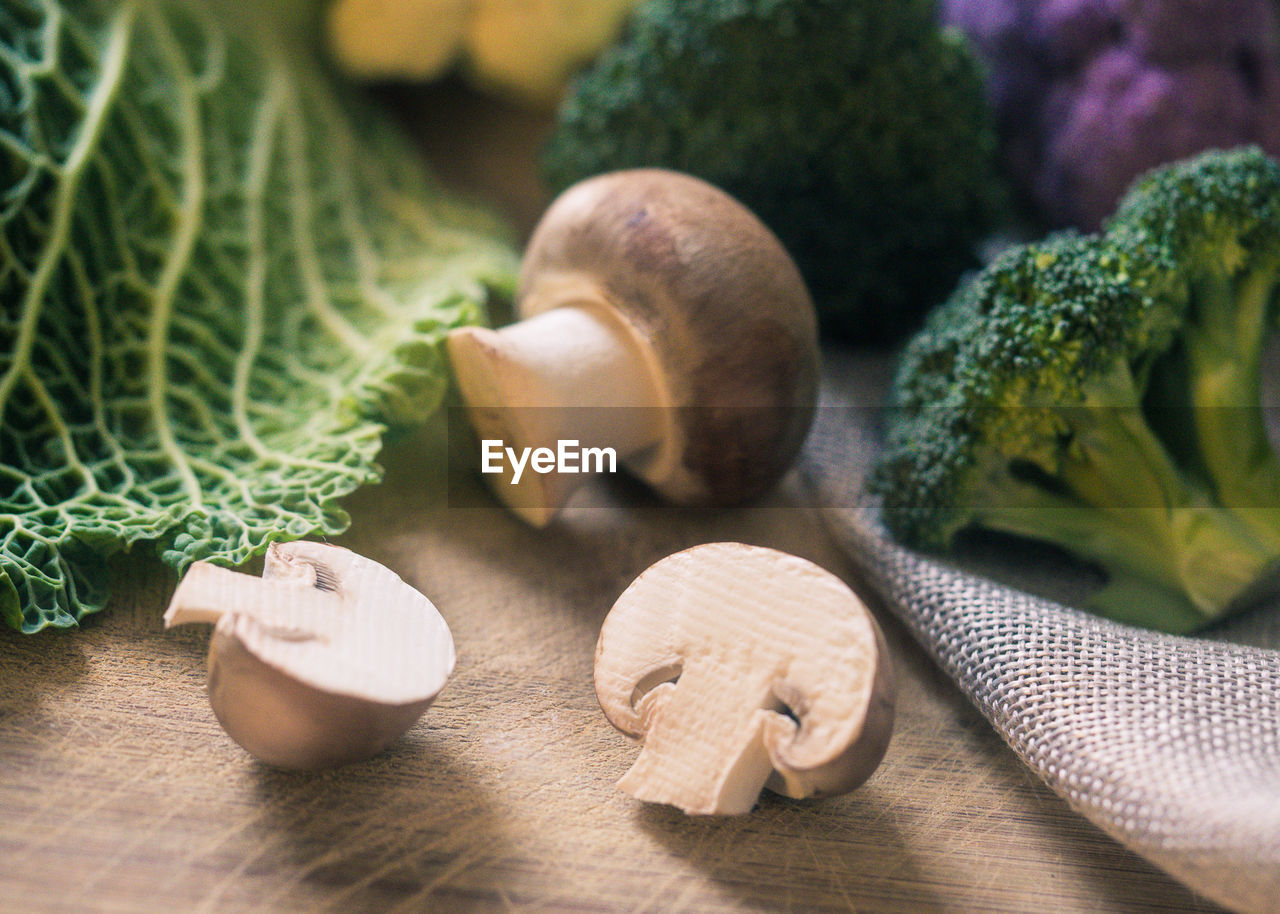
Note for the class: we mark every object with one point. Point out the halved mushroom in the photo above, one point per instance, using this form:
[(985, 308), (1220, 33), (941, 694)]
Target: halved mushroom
[(325, 659), (739, 668), (662, 319)]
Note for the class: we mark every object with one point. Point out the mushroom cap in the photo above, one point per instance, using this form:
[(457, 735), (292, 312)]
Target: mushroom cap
[(713, 298), (288, 723)]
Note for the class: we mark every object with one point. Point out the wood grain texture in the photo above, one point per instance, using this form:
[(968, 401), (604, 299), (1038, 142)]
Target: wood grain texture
[(119, 792)]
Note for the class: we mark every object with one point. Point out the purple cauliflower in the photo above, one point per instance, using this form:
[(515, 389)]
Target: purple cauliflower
[(1091, 93)]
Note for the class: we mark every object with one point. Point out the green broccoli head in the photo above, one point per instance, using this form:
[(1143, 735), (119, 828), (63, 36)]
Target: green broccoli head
[(992, 389), (856, 130), (1102, 393)]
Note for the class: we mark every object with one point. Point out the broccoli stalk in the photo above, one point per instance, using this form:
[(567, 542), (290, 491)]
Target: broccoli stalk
[(1120, 501), (1102, 393), (1222, 348), (1214, 225), (1116, 498)]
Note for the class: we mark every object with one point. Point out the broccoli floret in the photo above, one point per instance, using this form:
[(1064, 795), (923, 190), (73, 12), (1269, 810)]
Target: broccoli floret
[(856, 129), (1102, 393)]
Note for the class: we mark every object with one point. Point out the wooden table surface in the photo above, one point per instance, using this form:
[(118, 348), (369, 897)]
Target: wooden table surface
[(119, 791)]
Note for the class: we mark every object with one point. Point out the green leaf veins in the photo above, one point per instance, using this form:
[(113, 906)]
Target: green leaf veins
[(219, 286)]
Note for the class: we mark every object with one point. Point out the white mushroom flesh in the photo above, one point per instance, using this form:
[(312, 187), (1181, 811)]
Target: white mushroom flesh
[(371, 636), (737, 667)]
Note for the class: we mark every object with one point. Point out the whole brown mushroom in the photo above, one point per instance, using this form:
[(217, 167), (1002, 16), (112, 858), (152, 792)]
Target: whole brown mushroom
[(662, 319)]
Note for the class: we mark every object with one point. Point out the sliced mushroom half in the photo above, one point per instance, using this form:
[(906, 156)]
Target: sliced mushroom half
[(325, 659), (739, 668)]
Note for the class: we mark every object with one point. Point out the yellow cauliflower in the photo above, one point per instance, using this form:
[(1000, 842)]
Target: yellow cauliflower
[(525, 48)]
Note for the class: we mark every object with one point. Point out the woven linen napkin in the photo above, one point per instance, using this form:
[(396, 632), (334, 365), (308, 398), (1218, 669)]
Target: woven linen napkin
[(1169, 744)]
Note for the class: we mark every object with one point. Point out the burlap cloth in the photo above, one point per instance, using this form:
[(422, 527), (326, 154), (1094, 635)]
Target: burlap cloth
[(1169, 744)]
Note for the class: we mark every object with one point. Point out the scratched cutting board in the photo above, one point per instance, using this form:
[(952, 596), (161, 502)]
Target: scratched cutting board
[(118, 790)]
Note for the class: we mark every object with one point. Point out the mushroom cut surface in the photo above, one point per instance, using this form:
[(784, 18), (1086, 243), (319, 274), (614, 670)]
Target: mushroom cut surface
[(740, 668)]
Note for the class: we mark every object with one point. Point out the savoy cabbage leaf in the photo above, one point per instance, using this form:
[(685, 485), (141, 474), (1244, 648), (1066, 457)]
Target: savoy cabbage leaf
[(217, 291)]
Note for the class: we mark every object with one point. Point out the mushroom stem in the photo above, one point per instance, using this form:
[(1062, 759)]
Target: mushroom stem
[(721, 776), (289, 607), (577, 375)]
